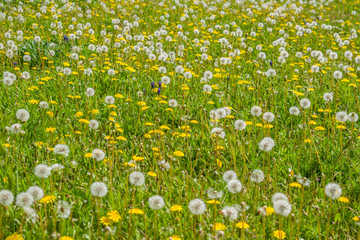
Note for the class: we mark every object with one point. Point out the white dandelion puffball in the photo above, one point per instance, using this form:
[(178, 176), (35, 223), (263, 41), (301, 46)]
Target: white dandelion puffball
[(257, 176), (6, 197), (279, 196), (353, 117), (109, 100), (137, 178), (197, 206), (341, 116), (62, 149), (36, 192), (229, 175), (24, 199), (42, 171), (230, 212), (23, 115), (268, 117), (63, 209), (93, 124), (256, 111), (90, 92), (240, 125), (156, 202), (173, 103), (333, 190), (98, 189), (98, 154), (234, 186), (305, 103), (294, 111), (282, 207), (266, 144)]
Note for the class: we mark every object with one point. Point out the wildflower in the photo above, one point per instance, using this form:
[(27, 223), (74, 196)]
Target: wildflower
[(197, 206), (219, 227), (63, 209), (114, 215), (47, 199), (62, 149), (294, 111), (156, 202), (295, 185), (240, 124), (6, 197), (328, 97), (279, 196), (136, 211), (137, 178), (24, 199), (229, 175), (43, 105), (268, 117), (106, 221), (242, 225), (333, 190), (353, 117), (234, 186), (15, 236), (109, 100), (176, 208), (282, 207), (98, 189), (305, 103), (16, 128), (90, 92), (98, 154), (266, 144), (230, 212), (213, 194), (279, 234), (36, 192), (178, 154), (257, 176), (23, 115), (341, 116), (66, 238), (343, 199), (173, 103), (42, 171)]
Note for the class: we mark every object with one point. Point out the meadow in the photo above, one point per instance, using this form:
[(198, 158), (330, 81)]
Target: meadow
[(179, 119)]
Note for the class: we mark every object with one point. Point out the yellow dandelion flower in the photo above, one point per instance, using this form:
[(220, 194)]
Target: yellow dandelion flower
[(295, 185), (106, 221), (219, 227), (176, 208), (48, 199), (213, 201), (279, 234), (174, 237), (242, 225), (15, 236), (343, 199), (79, 114), (136, 211), (114, 215), (269, 211), (178, 154), (152, 174), (356, 219), (66, 238)]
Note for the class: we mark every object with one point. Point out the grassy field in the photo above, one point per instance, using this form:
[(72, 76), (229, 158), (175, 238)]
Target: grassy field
[(183, 119)]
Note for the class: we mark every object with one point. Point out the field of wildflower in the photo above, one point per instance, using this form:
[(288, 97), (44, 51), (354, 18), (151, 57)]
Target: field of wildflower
[(179, 119)]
